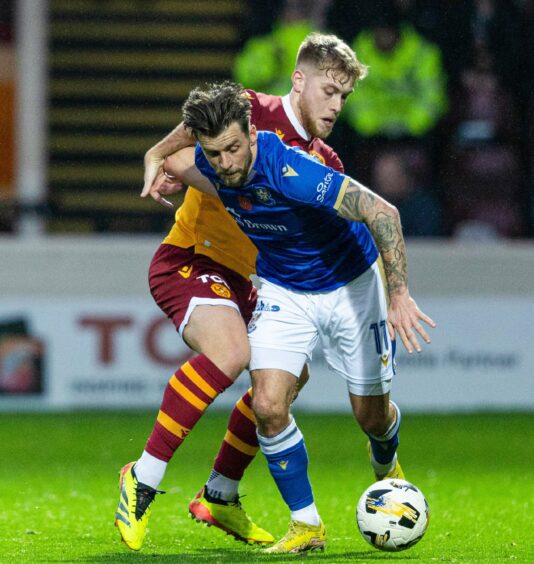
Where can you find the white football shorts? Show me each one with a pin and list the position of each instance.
(350, 322)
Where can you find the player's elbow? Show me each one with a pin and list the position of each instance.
(392, 213)
(180, 163)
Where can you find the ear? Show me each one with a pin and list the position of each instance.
(298, 78)
(253, 135)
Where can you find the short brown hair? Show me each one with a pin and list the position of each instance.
(209, 112)
(330, 53)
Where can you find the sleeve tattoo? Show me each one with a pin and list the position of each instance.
(383, 220)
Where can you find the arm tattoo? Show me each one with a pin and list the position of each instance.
(362, 205)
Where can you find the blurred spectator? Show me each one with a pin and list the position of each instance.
(482, 187)
(405, 92)
(445, 24)
(419, 208)
(266, 62)
(481, 109)
(483, 163)
(260, 17)
(402, 99)
(495, 27)
(347, 18)
(490, 219)
(526, 105)
(7, 110)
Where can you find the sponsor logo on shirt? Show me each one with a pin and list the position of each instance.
(207, 278)
(248, 224)
(266, 306)
(261, 307)
(324, 186)
(280, 133)
(288, 171)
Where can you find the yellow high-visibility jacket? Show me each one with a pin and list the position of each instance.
(405, 91)
(267, 62)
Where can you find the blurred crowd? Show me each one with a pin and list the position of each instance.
(443, 124)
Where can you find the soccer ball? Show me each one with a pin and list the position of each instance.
(392, 515)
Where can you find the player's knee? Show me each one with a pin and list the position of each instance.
(234, 359)
(231, 356)
(271, 413)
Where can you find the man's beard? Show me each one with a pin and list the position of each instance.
(241, 179)
(309, 124)
(235, 180)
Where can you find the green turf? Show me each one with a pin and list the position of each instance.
(58, 479)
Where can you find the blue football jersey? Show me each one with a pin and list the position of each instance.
(287, 207)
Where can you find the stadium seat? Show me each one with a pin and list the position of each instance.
(118, 74)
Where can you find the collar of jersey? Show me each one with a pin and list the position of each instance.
(286, 103)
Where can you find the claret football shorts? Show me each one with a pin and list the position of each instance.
(181, 279)
(349, 322)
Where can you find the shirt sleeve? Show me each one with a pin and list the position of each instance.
(303, 179)
(255, 106)
(334, 161)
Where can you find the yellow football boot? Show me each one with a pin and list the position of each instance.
(300, 537)
(396, 472)
(229, 517)
(133, 511)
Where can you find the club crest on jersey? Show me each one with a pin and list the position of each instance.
(220, 290)
(280, 133)
(317, 156)
(244, 203)
(263, 195)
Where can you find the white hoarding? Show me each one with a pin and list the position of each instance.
(113, 352)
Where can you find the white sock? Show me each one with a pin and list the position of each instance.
(308, 515)
(150, 470)
(221, 487)
(382, 469)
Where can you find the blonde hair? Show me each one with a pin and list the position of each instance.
(331, 54)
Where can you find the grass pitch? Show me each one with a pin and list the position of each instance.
(59, 477)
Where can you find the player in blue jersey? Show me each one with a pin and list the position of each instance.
(318, 234)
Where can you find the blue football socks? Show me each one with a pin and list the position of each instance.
(385, 447)
(288, 463)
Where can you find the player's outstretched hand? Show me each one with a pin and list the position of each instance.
(163, 185)
(404, 319)
(153, 168)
